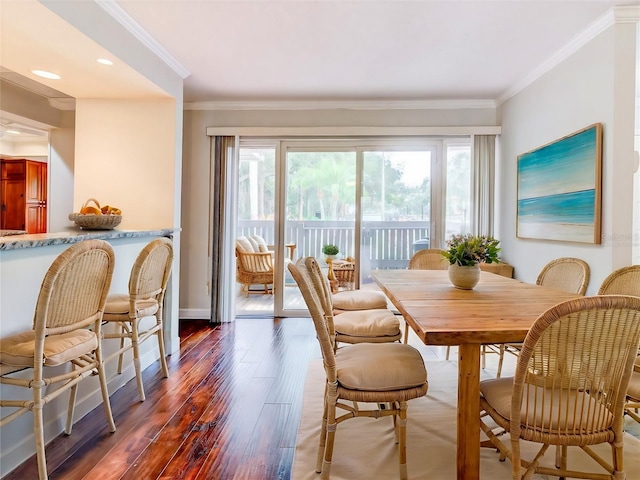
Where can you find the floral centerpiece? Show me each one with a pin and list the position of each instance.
(468, 250)
(464, 253)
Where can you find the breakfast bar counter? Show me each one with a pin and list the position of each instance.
(24, 261)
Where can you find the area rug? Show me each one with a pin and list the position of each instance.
(365, 447)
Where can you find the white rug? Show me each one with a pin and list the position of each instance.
(431, 438)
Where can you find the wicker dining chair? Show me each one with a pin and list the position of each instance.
(385, 375)
(567, 274)
(632, 406)
(626, 281)
(147, 286)
(428, 259)
(359, 326)
(569, 386)
(67, 328)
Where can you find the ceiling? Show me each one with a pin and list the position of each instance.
(309, 51)
(360, 49)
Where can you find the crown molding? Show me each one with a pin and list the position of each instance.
(343, 105)
(628, 14)
(133, 27)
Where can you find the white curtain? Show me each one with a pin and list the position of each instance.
(484, 153)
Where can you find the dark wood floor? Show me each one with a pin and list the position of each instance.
(230, 409)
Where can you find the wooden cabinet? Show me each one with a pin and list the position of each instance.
(23, 195)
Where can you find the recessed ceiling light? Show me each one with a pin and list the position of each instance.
(13, 132)
(45, 74)
(105, 61)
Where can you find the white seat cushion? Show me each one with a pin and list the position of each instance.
(350, 300)
(367, 323)
(390, 366)
(18, 350)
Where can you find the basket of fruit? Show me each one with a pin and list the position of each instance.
(95, 217)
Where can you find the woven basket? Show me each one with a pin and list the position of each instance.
(93, 221)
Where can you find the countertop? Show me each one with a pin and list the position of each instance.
(74, 235)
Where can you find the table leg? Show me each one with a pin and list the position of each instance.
(468, 437)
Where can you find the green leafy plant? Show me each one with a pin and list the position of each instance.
(330, 250)
(467, 250)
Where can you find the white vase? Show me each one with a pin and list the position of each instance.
(464, 277)
(328, 258)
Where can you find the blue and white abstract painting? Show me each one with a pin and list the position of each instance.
(559, 189)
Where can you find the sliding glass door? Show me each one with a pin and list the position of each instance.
(319, 207)
(377, 202)
(396, 202)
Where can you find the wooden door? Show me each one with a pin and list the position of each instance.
(13, 205)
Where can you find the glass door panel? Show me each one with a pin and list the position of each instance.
(395, 208)
(256, 217)
(320, 208)
(458, 196)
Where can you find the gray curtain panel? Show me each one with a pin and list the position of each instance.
(223, 151)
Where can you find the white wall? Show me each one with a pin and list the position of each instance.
(595, 84)
(194, 295)
(125, 156)
(61, 164)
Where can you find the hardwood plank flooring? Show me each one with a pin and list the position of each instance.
(229, 409)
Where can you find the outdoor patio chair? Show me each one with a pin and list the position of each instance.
(147, 285)
(569, 387)
(254, 263)
(359, 326)
(565, 273)
(384, 377)
(67, 329)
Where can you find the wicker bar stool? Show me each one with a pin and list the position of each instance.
(67, 329)
(147, 285)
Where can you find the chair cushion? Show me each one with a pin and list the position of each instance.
(18, 350)
(367, 323)
(118, 305)
(497, 393)
(380, 367)
(358, 300)
(254, 244)
(260, 242)
(244, 245)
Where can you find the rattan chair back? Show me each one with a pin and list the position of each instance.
(566, 273)
(313, 273)
(626, 281)
(150, 273)
(570, 382)
(301, 273)
(623, 281)
(428, 259)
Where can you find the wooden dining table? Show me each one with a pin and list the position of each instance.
(497, 310)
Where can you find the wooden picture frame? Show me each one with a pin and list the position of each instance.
(559, 195)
